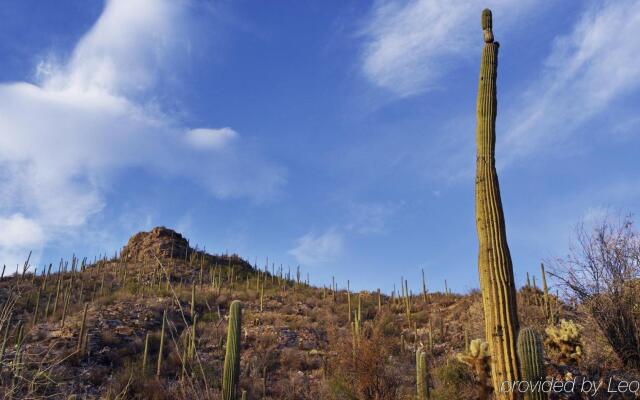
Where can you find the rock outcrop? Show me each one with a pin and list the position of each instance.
(159, 242)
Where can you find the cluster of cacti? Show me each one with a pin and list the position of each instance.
(478, 357)
(231, 371)
(356, 326)
(494, 261)
(565, 341)
(531, 357)
(405, 297)
(422, 375)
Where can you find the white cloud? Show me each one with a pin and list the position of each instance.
(19, 236)
(65, 135)
(410, 44)
(18, 231)
(125, 49)
(315, 249)
(587, 70)
(210, 138)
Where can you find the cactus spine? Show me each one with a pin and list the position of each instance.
(531, 358)
(232, 357)
(494, 261)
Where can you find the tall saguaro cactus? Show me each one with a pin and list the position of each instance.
(232, 357)
(494, 261)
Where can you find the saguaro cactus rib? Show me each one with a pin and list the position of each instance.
(494, 261)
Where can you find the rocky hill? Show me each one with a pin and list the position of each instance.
(93, 331)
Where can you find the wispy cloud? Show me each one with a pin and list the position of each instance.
(315, 249)
(96, 113)
(362, 219)
(369, 218)
(410, 44)
(587, 71)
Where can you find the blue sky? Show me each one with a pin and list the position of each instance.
(338, 135)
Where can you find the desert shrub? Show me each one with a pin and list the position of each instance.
(454, 380)
(602, 272)
(129, 383)
(365, 372)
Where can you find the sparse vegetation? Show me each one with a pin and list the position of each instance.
(165, 320)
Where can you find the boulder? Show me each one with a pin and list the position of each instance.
(159, 242)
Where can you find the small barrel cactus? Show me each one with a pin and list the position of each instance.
(531, 357)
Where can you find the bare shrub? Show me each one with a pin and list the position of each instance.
(602, 271)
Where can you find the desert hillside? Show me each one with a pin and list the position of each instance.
(94, 329)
